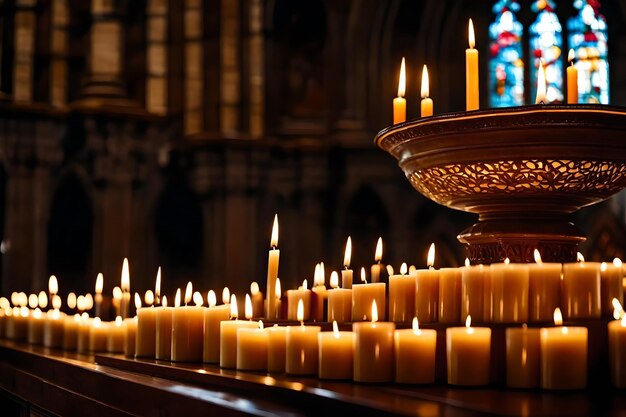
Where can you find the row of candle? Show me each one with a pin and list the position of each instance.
(472, 83)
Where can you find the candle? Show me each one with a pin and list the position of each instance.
(53, 286)
(339, 301)
(301, 347)
(98, 297)
(276, 349)
(35, 327)
(213, 316)
(449, 295)
(272, 271)
(17, 323)
(346, 273)
(293, 299)
(116, 301)
(399, 103)
(257, 299)
(472, 289)
(125, 287)
(252, 347)
(415, 355)
(163, 348)
(145, 343)
(427, 290)
(522, 357)
(318, 293)
(378, 256)
(279, 303)
(581, 290)
(563, 356)
(98, 336)
(70, 332)
(130, 335)
(572, 79)
(401, 296)
(373, 349)
(82, 341)
(427, 102)
(188, 327)
(228, 335)
(42, 300)
(336, 354)
(468, 353)
(541, 84)
(157, 287)
(53, 329)
(362, 297)
(617, 347)
(471, 72)
(544, 289)
(610, 285)
(115, 337)
(509, 286)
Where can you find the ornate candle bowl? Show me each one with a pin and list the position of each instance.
(523, 170)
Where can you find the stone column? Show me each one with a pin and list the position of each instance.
(23, 70)
(194, 67)
(230, 66)
(157, 57)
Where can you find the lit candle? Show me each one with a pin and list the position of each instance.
(541, 84)
(35, 327)
(98, 297)
(187, 328)
(125, 287)
(130, 336)
(522, 357)
(318, 293)
(53, 286)
(276, 349)
(401, 296)
(572, 79)
(509, 288)
(82, 342)
(544, 289)
(272, 271)
(42, 300)
(279, 303)
(213, 316)
(415, 355)
(339, 301)
(472, 289)
(362, 297)
(399, 103)
(117, 300)
(378, 256)
(17, 323)
(580, 296)
(157, 287)
(301, 347)
(257, 300)
(163, 348)
(469, 354)
(145, 344)
(70, 332)
(115, 337)
(449, 295)
(252, 345)
(53, 329)
(427, 102)
(346, 273)
(228, 335)
(373, 349)
(427, 290)
(293, 299)
(610, 285)
(472, 94)
(563, 356)
(617, 346)
(336, 354)
(98, 336)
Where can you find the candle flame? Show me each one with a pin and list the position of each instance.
(225, 295)
(80, 302)
(374, 312)
(390, 270)
(348, 253)
(416, 327)
(157, 285)
(117, 293)
(23, 299)
(254, 288)
(402, 80)
(37, 313)
(322, 274)
(188, 292)
(537, 256)
(212, 298)
(468, 321)
(305, 285)
(125, 282)
(42, 299)
(248, 307)
(149, 298)
(57, 302)
(33, 300)
(603, 266)
(541, 84)
(618, 310)
(334, 279)
(53, 285)
(580, 257)
(88, 301)
(471, 36)
(118, 321)
(403, 268)
(261, 324)
(571, 56)
(274, 239)
(197, 299)
(71, 300)
(558, 317)
(335, 329)
(430, 259)
(507, 261)
(617, 262)
(24, 312)
(97, 322)
(177, 298)
(300, 311)
(316, 275)
(425, 83)
(234, 312)
(164, 301)
(99, 283)
(277, 290)
(137, 301)
(378, 255)
(467, 262)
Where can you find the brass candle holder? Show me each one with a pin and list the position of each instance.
(523, 170)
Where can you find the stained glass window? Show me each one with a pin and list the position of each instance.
(506, 65)
(546, 43)
(588, 39)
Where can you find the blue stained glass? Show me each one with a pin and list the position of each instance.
(506, 64)
(546, 43)
(588, 38)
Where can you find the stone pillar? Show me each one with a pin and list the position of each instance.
(59, 48)
(157, 57)
(230, 66)
(25, 26)
(256, 69)
(194, 67)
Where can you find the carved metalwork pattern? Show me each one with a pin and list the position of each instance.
(521, 251)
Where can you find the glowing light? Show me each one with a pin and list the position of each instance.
(558, 317)
(403, 268)
(363, 278)
(56, 302)
(470, 34)
(177, 298)
(334, 279)
(274, 239)
(537, 256)
(374, 312)
(125, 282)
(157, 285)
(149, 298)
(248, 307)
(402, 80)
(425, 83)
(277, 289)
(416, 327)
(53, 285)
(580, 257)
(225, 295)
(254, 288)
(541, 84)
(300, 311)
(164, 301)
(197, 299)
(348, 253)
(99, 283)
(33, 300)
(137, 301)
(188, 292)
(234, 313)
(118, 321)
(378, 255)
(335, 329)
(430, 260)
(212, 298)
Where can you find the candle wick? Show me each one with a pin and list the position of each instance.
(542, 102)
